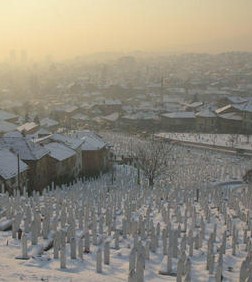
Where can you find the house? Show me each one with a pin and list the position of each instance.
(140, 121)
(232, 100)
(178, 121)
(230, 122)
(206, 121)
(247, 118)
(34, 155)
(96, 155)
(28, 128)
(61, 163)
(74, 144)
(13, 171)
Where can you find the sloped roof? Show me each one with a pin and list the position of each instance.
(247, 107)
(231, 116)
(195, 104)
(27, 126)
(9, 164)
(206, 113)
(179, 115)
(47, 122)
(236, 99)
(26, 149)
(80, 116)
(111, 117)
(6, 115)
(13, 134)
(6, 126)
(92, 141)
(67, 109)
(141, 116)
(59, 151)
(69, 141)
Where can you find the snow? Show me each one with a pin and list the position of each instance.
(59, 151)
(47, 122)
(223, 140)
(206, 113)
(6, 126)
(179, 115)
(28, 126)
(69, 141)
(6, 115)
(170, 202)
(22, 146)
(9, 164)
(91, 141)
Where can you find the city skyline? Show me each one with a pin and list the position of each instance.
(67, 29)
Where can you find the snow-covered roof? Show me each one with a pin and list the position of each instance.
(110, 102)
(236, 100)
(9, 164)
(247, 107)
(13, 134)
(179, 115)
(26, 149)
(67, 109)
(141, 116)
(111, 117)
(80, 116)
(92, 141)
(48, 122)
(195, 104)
(69, 141)
(6, 126)
(6, 115)
(28, 126)
(59, 151)
(231, 116)
(206, 113)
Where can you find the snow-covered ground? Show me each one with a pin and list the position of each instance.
(233, 141)
(139, 217)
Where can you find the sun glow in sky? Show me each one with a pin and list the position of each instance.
(68, 28)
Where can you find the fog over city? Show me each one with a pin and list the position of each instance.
(66, 29)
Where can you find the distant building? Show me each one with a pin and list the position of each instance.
(206, 121)
(178, 121)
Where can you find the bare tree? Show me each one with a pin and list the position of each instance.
(152, 157)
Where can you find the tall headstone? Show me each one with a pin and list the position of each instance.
(99, 260)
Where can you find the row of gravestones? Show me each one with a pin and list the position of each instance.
(183, 216)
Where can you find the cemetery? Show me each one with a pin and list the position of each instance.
(193, 224)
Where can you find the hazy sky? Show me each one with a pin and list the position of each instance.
(68, 28)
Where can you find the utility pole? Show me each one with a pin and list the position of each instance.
(18, 172)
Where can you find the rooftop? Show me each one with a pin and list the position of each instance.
(9, 164)
(179, 115)
(59, 151)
